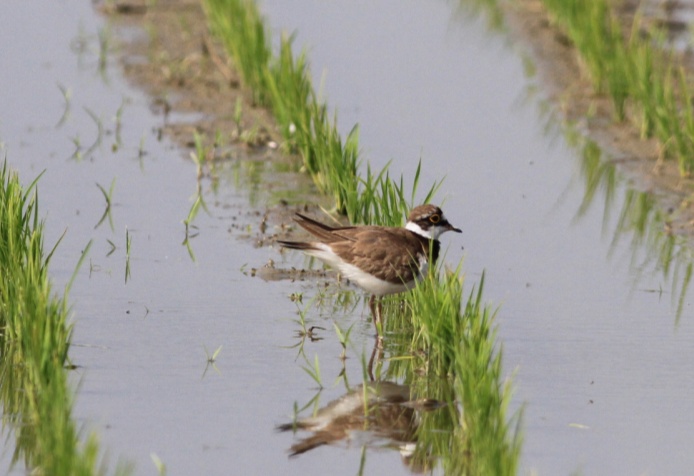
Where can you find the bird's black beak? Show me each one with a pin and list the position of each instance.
(450, 227)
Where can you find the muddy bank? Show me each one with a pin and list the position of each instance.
(567, 86)
(167, 51)
(180, 66)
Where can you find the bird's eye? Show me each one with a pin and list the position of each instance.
(435, 218)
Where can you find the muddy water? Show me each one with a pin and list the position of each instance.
(600, 366)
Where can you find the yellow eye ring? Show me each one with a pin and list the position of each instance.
(435, 218)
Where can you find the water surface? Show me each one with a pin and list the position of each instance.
(601, 367)
(597, 359)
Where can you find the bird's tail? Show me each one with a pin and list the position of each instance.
(324, 233)
(297, 245)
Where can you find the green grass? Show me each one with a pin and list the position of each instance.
(454, 358)
(642, 78)
(458, 335)
(636, 69)
(36, 395)
(283, 84)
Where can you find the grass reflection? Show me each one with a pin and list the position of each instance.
(642, 221)
(36, 395)
(438, 370)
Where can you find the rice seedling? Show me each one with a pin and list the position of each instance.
(198, 157)
(238, 113)
(128, 242)
(159, 464)
(296, 297)
(212, 166)
(67, 96)
(104, 41)
(453, 339)
(246, 39)
(250, 136)
(99, 132)
(636, 68)
(77, 154)
(108, 196)
(119, 125)
(141, 151)
(458, 336)
(305, 331)
(633, 69)
(644, 222)
(113, 248)
(296, 411)
(343, 338)
(313, 370)
(35, 391)
(211, 360)
(193, 212)
(362, 461)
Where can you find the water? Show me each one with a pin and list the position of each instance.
(589, 344)
(145, 385)
(601, 367)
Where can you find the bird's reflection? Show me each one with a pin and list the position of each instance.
(375, 415)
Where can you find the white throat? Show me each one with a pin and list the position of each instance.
(432, 233)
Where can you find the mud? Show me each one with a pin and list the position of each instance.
(567, 86)
(193, 86)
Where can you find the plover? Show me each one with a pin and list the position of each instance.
(381, 260)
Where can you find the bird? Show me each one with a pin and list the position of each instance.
(381, 260)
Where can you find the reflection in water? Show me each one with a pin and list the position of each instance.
(381, 414)
(16, 402)
(653, 246)
(654, 243)
(670, 19)
(458, 370)
(373, 415)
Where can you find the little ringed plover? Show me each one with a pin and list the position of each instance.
(381, 260)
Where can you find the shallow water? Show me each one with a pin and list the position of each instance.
(142, 346)
(590, 344)
(601, 367)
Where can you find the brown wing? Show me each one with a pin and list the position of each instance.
(382, 251)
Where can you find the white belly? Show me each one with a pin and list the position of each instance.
(369, 283)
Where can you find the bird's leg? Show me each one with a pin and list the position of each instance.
(379, 331)
(376, 355)
(376, 313)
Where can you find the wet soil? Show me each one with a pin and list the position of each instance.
(195, 88)
(568, 87)
(187, 72)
